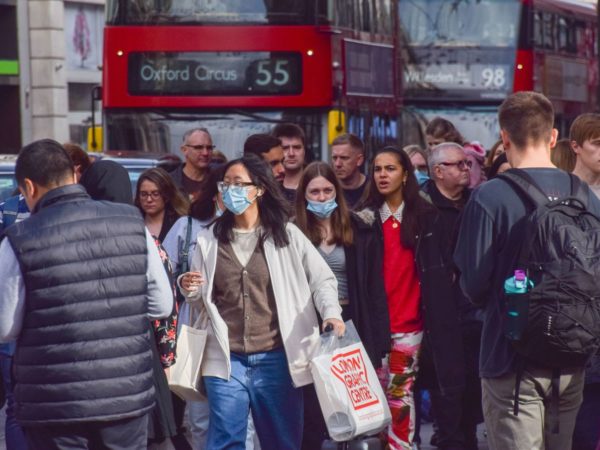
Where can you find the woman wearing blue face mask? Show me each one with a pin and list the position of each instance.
(351, 249)
(418, 158)
(257, 284)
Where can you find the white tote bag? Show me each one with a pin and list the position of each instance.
(185, 375)
(352, 400)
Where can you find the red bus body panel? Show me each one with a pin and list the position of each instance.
(524, 71)
(316, 69)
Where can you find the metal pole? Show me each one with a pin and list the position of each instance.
(24, 71)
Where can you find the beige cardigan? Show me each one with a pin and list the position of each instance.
(301, 280)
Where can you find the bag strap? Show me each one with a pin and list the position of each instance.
(520, 368)
(184, 252)
(554, 401)
(578, 192)
(524, 184)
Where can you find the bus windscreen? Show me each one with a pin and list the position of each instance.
(163, 12)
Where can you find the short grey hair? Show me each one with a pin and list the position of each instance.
(439, 153)
(188, 133)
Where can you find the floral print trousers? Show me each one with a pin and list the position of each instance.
(397, 376)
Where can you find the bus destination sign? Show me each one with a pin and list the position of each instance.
(215, 73)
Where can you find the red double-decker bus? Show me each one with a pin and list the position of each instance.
(461, 59)
(240, 67)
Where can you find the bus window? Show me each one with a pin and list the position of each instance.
(438, 22)
(538, 32)
(210, 11)
(562, 34)
(548, 35)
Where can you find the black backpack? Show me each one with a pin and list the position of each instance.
(558, 245)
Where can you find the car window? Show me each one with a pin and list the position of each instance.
(134, 175)
(8, 185)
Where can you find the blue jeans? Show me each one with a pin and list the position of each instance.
(260, 383)
(15, 439)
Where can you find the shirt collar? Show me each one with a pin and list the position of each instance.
(385, 213)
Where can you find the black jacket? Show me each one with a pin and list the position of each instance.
(449, 222)
(366, 291)
(84, 352)
(440, 316)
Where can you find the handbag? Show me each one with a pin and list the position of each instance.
(185, 375)
(351, 398)
(183, 259)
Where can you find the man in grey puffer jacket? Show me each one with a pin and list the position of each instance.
(80, 279)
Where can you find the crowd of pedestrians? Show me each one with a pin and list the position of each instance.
(266, 251)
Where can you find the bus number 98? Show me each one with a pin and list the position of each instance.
(493, 78)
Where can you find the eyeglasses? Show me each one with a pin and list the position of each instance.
(462, 165)
(153, 195)
(223, 186)
(209, 148)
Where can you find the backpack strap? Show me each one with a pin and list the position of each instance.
(519, 368)
(578, 191)
(523, 183)
(554, 401)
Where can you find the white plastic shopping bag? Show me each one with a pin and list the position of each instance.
(185, 375)
(351, 398)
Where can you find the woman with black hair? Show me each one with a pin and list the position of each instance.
(260, 311)
(412, 261)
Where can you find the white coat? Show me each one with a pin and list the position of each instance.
(301, 281)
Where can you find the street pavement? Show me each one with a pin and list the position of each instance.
(426, 431)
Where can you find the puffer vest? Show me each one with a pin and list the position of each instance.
(84, 350)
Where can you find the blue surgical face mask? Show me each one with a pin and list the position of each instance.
(235, 199)
(421, 177)
(321, 209)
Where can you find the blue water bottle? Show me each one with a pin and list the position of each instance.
(517, 304)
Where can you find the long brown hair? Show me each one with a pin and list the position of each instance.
(415, 206)
(175, 202)
(340, 218)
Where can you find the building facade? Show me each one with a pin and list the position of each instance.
(49, 63)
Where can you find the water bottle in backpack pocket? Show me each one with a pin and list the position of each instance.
(516, 296)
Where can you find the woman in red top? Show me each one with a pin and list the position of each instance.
(397, 210)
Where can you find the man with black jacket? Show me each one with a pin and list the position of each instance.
(456, 411)
(80, 280)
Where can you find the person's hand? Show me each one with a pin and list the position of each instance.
(339, 327)
(191, 281)
(167, 372)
